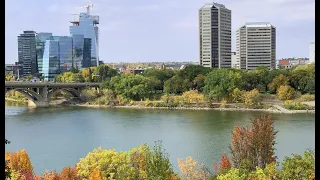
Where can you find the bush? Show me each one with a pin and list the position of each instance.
(294, 105)
(192, 96)
(286, 93)
(238, 95)
(252, 98)
(307, 97)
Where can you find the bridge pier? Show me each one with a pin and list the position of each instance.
(41, 104)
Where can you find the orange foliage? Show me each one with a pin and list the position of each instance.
(190, 169)
(225, 163)
(20, 162)
(69, 173)
(96, 174)
(51, 175)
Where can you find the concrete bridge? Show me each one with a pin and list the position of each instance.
(40, 93)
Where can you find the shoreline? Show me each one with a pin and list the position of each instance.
(271, 110)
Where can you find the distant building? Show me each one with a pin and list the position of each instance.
(86, 25)
(284, 64)
(234, 62)
(291, 62)
(256, 45)
(312, 52)
(27, 53)
(215, 36)
(14, 69)
(132, 71)
(51, 60)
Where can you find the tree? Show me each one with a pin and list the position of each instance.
(299, 167)
(252, 98)
(133, 87)
(192, 170)
(192, 96)
(252, 147)
(192, 71)
(176, 85)
(219, 83)
(238, 95)
(158, 164)
(102, 72)
(69, 173)
(161, 74)
(198, 82)
(278, 81)
(51, 175)
(286, 93)
(20, 162)
(69, 77)
(225, 163)
(7, 162)
(96, 175)
(87, 74)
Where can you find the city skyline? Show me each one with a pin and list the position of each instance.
(160, 31)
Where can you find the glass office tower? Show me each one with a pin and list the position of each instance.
(86, 25)
(27, 52)
(51, 60)
(40, 44)
(65, 52)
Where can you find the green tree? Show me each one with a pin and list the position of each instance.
(299, 167)
(161, 74)
(69, 77)
(102, 72)
(176, 85)
(219, 83)
(198, 82)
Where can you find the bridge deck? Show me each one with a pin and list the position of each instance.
(47, 84)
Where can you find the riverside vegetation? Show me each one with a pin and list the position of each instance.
(251, 157)
(197, 86)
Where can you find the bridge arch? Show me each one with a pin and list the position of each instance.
(29, 94)
(73, 92)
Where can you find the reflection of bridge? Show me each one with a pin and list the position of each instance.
(39, 94)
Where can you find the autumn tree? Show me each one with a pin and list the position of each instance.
(252, 147)
(69, 173)
(96, 175)
(51, 175)
(192, 170)
(252, 98)
(278, 81)
(20, 162)
(286, 93)
(225, 163)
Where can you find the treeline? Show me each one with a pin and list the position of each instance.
(216, 85)
(252, 157)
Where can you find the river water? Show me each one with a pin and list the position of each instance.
(58, 137)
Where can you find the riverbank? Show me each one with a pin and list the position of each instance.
(273, 109)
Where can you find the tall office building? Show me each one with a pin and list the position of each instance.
(256, 45)
(215, 36)
(51, 60)
(311, 52)
(27, 56)
(86, 24)
(40, 45)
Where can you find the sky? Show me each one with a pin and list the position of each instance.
(159, 30)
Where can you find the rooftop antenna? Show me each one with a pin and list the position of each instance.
(87, 7)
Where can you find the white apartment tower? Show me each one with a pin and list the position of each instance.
(215, 36)
(256, 45)
(311, 52)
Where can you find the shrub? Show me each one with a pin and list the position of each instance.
(294, 105)
(147, 102)
(286, 93)
(307, 97)
(192, 96)
(238, 95)
(252, 98)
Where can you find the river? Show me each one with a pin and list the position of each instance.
(58, 137)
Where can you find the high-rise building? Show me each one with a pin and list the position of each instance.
(215, 36)
(65, 52)
(27, 56)
(86, 24)
(40, 45)
(234, 61)
(311, 52)
(256, 45)
(51, 60)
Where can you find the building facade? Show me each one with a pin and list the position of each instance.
(215, 36)
(14, 69)
(234, 62)
(40, 45)
(51, 60)
(27, 56)
(86, 25)
(256, 45)
(312, 52)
